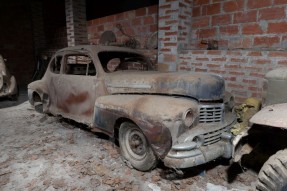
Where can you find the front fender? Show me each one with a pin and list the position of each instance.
(272, 115)
(155, 116)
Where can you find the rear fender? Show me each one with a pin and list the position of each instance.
(154, 115)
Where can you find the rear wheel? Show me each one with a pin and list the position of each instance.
(273, 174)
(134, 147)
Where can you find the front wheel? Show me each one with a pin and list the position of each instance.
(273, 174)
(135, 148)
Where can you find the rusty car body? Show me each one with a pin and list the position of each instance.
(8, 84)
(181, 118)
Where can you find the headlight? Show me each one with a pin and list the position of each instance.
(188, 118)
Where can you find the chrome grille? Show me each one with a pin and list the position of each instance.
(213, 136)
(211, 113)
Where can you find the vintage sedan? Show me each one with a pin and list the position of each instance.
(181, 118)
(8, 84)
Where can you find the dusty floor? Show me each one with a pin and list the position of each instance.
(41, 152)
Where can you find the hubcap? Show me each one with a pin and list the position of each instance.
(136, 144)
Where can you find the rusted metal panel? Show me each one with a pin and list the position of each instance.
(272, 115)
(155, 115)
(186, 84)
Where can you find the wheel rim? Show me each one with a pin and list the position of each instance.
(136, 144)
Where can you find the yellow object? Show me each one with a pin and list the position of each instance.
(244, 112)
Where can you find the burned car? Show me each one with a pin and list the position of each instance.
(8, 84)
(180, 118)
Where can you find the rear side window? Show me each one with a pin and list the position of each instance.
(79, 65)
(56, 64)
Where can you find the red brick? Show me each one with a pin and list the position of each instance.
(169, 58)
(233, 6)
(218, 71)
(257, 74)
(164, 18)
(236, 73)
(221, 20)
(152, 10)
(230, 78)
(211, 9)
(206, 33)
(153, 28)
(278, 54)
(214, 52)
(248, 81)
(200, 70)
(202, 59)
(111, 18)
(262, 61)
(171, 22)
(249, 29)
(148, 20)
(170, 11)
(280, 27)
(213, 65)
(223, 59)
(141, 12)
(166, 6)
(165, 28)
(137, 22)
(280, 2)
(231, 66)
(120, 16)
(254, 54)
(170, 33)
(233, 53)
(266, 40)
(196, 11)
(243, 60)
(255, 4)
(200, 22)
(200, 2)
(229, 30)
(282, 62)
(234, 85)
(272, 13)
(240, 43)
(245, 17)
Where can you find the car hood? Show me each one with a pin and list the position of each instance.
(200, 86)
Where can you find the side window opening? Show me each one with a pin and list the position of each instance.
(79, 65)
(116, 60)
(56, 64)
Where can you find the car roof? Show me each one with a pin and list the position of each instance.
(99, 48)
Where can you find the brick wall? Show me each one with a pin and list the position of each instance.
(240, 24)
(243, 70)
(140, 23)
(252, 41)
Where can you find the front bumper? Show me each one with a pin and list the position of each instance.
(201, 155)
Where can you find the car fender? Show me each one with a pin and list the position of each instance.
(39, 87)
(155, 115)
(272, 115)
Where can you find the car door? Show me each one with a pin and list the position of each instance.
(75, 87)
